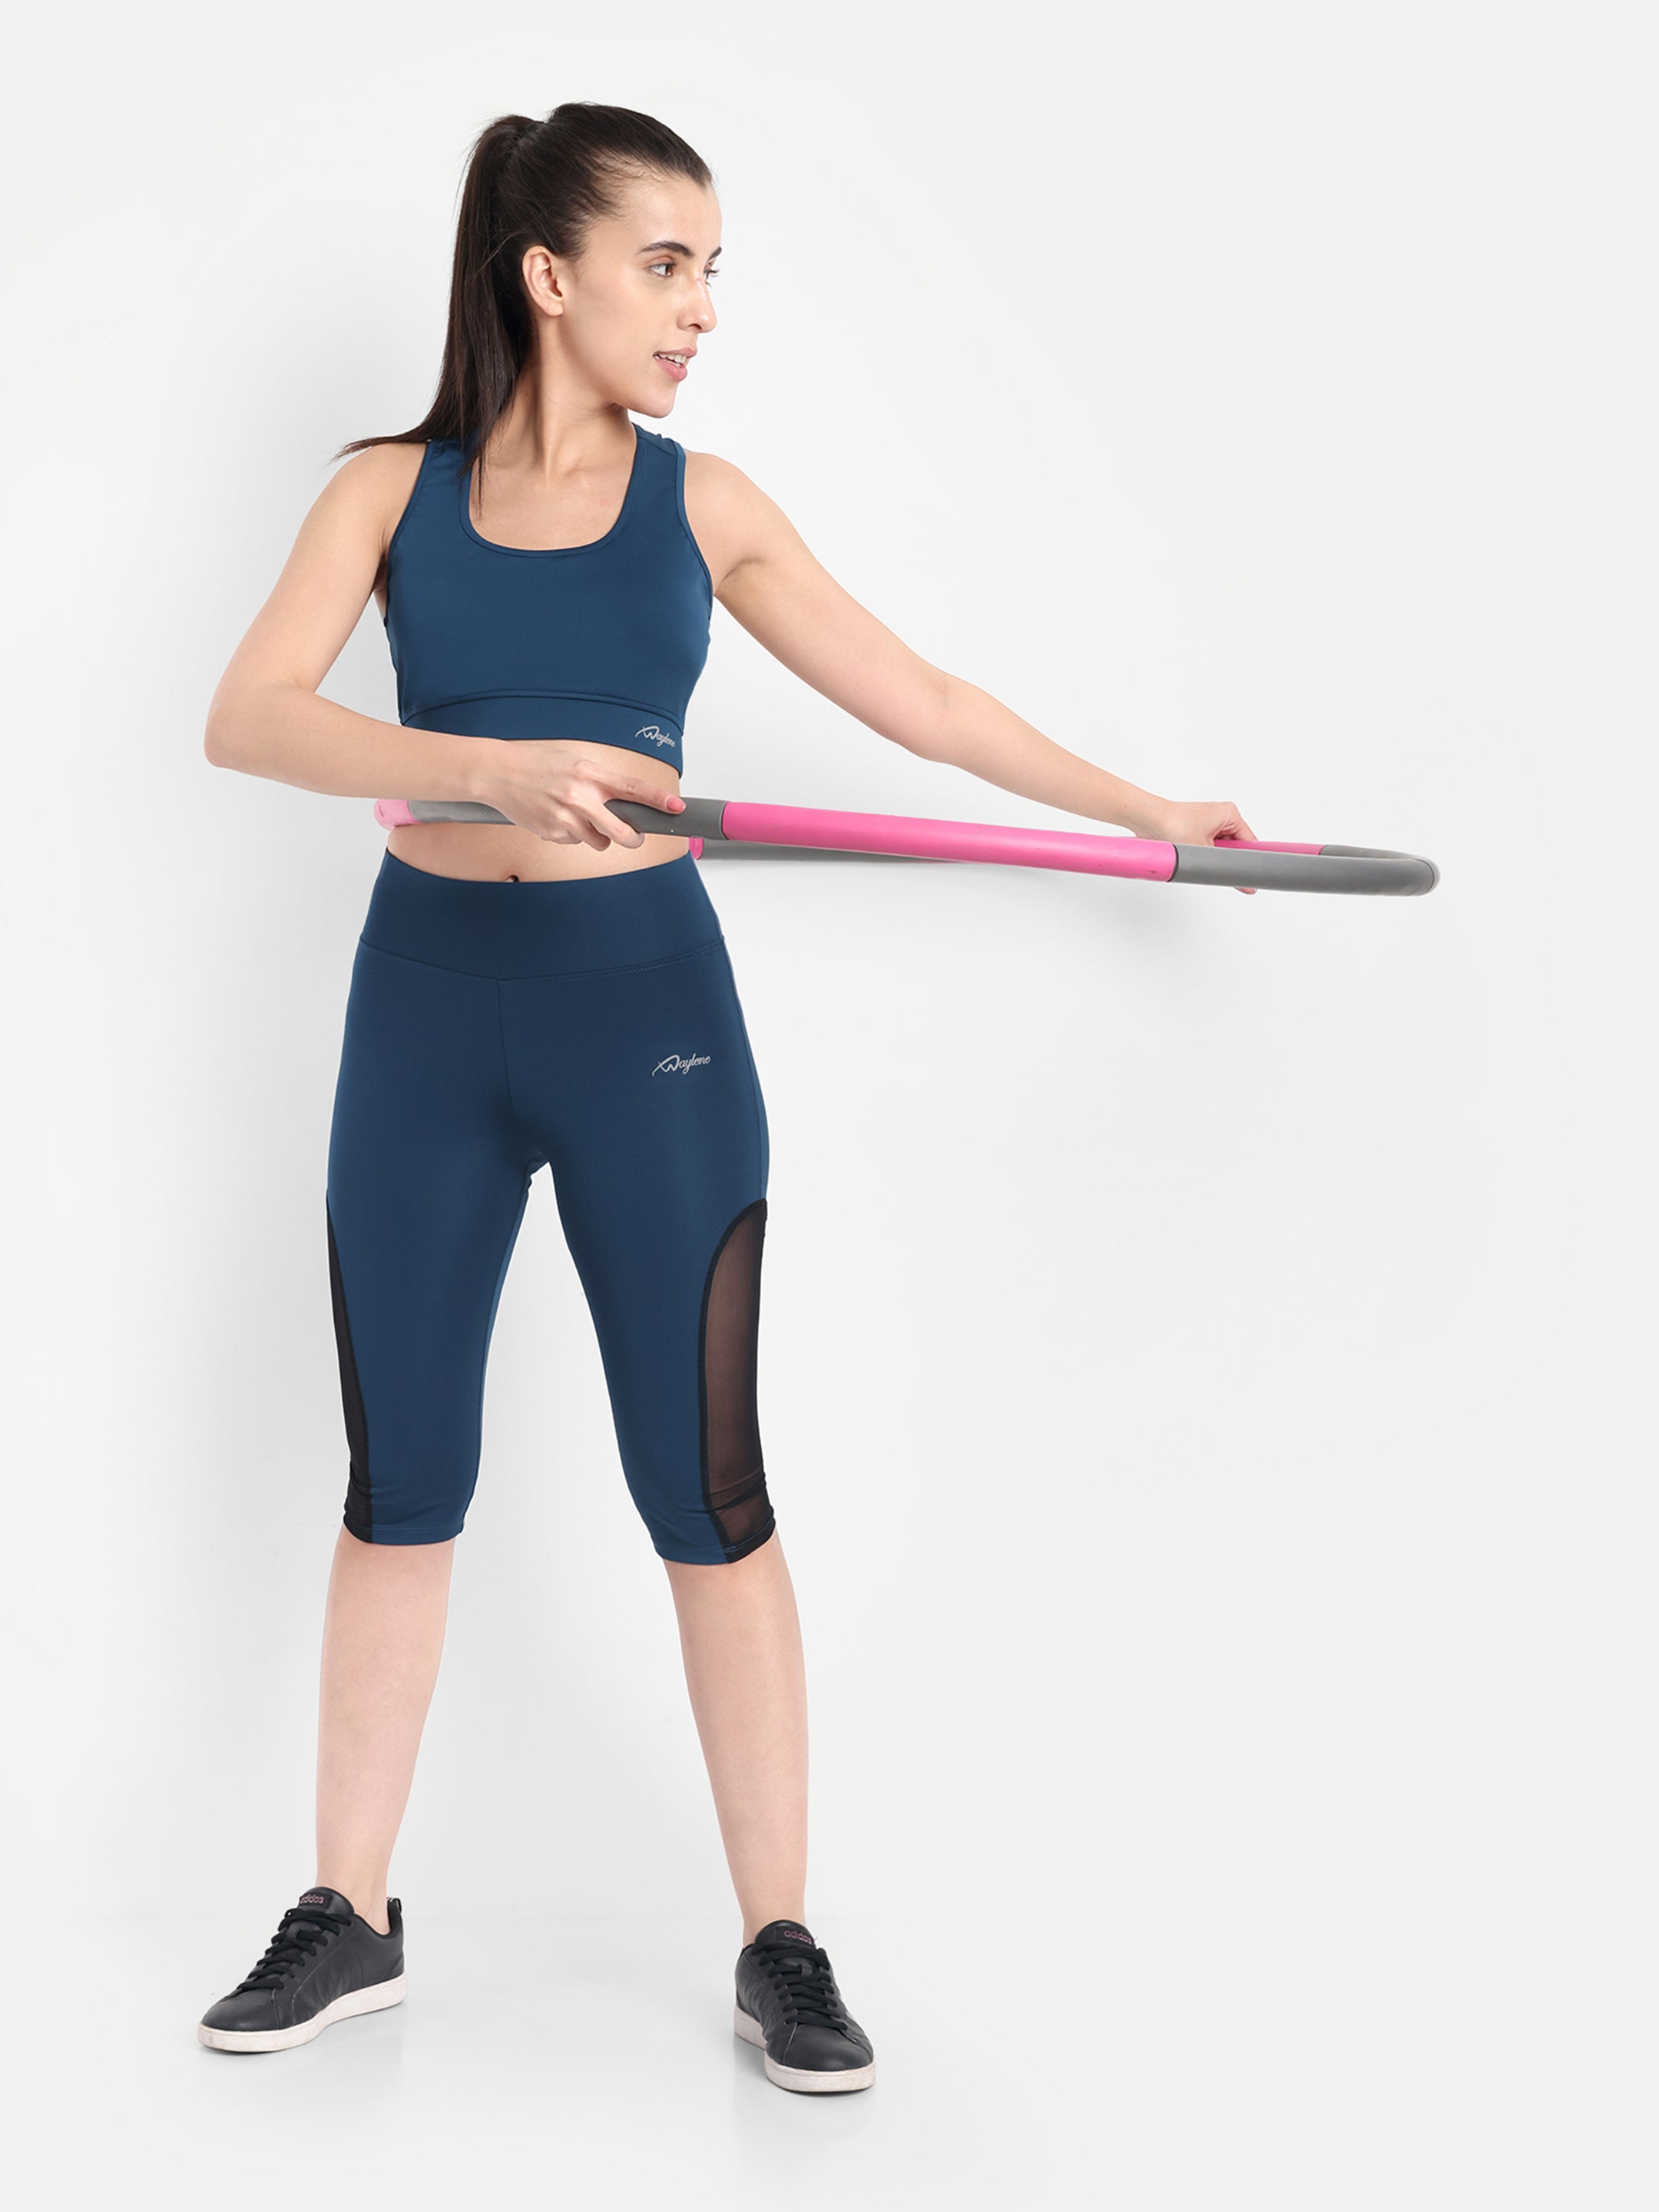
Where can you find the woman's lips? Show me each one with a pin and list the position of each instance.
(676, 369)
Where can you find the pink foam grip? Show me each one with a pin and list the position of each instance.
(393, 814)
(1147, 858)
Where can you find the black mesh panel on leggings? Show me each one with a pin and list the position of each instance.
(728, 1360)
(358, 1516)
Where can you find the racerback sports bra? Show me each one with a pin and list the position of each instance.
(602, 642)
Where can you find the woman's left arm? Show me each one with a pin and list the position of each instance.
(766, 577)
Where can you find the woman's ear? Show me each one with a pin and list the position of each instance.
(544, 279)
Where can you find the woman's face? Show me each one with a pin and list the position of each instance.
(640, 290)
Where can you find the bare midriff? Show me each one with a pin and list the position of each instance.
(488, 852)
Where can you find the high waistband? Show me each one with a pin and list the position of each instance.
(556, 927)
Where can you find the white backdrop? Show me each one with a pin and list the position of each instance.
(1202, 1337)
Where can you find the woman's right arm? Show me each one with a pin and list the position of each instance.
(266, 719)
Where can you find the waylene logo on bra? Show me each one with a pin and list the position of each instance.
(678, 1063)
(657, 737)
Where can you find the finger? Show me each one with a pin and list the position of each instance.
(633, 787)
(609, 828)
(596, 784)
(615, 783)
(571, 830)
(627, 787)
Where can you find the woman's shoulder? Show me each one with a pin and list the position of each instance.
(720, 485)
(390, 466)
(731, 517)
(375, 485)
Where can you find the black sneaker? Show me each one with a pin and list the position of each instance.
(323, 1964)
(788, 2003)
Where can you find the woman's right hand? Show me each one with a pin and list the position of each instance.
(561, 797)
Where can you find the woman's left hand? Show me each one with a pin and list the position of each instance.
(1196, 821)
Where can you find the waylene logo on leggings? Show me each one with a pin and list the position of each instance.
(677, 1064)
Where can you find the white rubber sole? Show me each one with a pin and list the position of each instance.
(799, 2077)
(375, 1998)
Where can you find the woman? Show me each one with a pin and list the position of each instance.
(557, 993)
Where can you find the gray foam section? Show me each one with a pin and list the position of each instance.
(1361, 869)
(454, 810)
(698, 818)
(701, 818)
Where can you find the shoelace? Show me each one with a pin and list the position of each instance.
(806, 1983)
(301, 1934)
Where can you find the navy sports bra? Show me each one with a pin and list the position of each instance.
(602, 642)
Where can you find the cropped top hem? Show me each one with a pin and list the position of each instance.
(586, 716)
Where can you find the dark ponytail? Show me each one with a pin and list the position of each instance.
(527, 184)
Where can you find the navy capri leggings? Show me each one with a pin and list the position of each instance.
(591, 1026)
